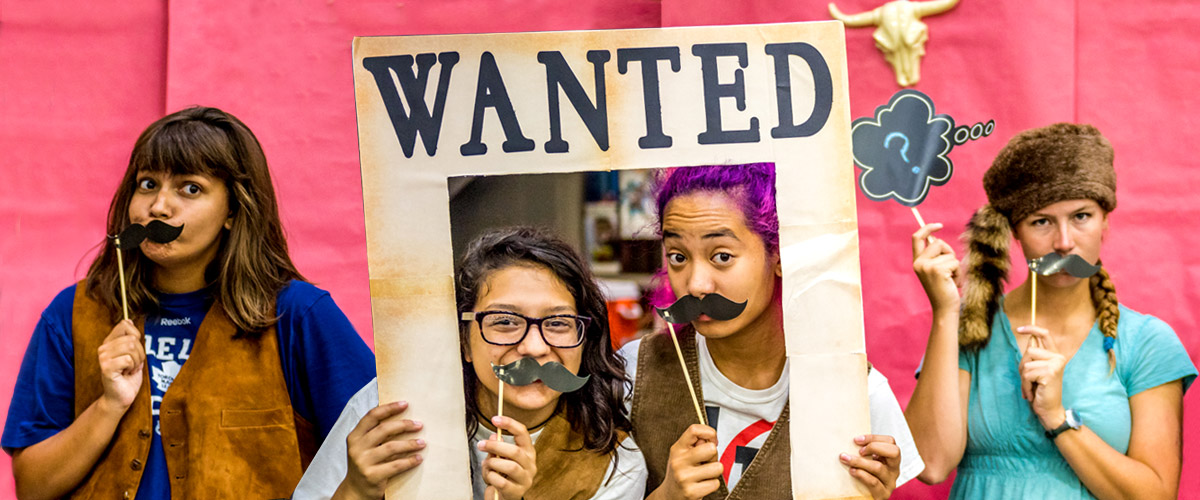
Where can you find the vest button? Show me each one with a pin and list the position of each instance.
(135, 464)
(144, 434)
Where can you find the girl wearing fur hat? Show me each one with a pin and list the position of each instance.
(1087, 403)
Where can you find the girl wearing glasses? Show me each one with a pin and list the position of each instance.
(521, 294)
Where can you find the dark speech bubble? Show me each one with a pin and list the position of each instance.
(903, 149)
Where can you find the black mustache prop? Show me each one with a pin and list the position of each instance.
(526, 371)
(1073, 264)
(690, 307)
(156, 231)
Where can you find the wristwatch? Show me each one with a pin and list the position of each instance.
(1073, 422)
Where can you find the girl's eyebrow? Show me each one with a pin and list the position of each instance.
(515, 308)
(721, 233)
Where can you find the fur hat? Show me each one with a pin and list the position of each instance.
(1041, 166)
(1038, 167)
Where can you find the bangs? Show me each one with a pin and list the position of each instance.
(186, 148)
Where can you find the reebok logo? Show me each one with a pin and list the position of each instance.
(175, 322)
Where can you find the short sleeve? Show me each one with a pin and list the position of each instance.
(329, 466)
(887, 419)
(1150, 354)
(626, 476)
(629, 352)
(967, 360)
(325, 362)
(43, 401)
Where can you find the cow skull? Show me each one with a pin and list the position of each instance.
(900, 34)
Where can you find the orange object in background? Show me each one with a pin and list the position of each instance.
(624, 310)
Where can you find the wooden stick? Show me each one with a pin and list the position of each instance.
(499, 431)
(121, 272)
(917, 214)
(686, 376)
(1033, 300)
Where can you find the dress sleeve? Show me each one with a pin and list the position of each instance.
(967, 360)
(324, 360)
(43, 401)
(329, 467)
(630, 353)
(887, 419)
(1151, 356)
(626, 475)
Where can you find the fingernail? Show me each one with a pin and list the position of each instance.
(844, 457)
(496, 420)
(862, 451)
(418, 458)
(421, 443)
(417, 424)
(860, 439)
(480, 445)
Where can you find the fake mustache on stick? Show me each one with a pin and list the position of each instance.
(526, 371)
(1073, 264)
(155, 230)
(690, 307)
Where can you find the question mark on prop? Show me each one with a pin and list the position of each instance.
(903, 149)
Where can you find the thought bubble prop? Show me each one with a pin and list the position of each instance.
(904, 149)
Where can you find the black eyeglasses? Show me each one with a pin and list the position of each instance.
(510, 328)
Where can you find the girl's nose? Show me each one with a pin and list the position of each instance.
(533, 345)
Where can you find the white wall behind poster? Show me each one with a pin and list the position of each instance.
(79, 80)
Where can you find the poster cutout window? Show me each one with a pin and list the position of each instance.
(434, 108)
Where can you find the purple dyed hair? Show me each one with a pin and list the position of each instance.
(752, 187)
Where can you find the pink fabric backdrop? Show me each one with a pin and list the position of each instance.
(79, 81)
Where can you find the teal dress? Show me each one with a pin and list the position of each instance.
(1007, 454)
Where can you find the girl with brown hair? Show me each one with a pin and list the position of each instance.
(557, 445)
(1087, 403)
(231, 367)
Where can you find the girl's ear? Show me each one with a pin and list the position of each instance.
(778, 265)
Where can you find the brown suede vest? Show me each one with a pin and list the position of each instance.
(662, 411)
(566, 471)
(228, 428)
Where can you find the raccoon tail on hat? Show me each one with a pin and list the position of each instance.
(987, 237)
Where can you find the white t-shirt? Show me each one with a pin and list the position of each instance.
(743, 418)
(625, 478)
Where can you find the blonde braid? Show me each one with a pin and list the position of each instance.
(1104, 298)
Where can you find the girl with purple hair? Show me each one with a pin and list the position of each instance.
(720, 237)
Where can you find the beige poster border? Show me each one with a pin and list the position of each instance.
(408, 224)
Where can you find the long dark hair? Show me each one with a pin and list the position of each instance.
(252, 264)
(597, 410)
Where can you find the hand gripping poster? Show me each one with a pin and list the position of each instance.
(435, 109)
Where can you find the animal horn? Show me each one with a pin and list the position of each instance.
(932, 7)
(869, 18)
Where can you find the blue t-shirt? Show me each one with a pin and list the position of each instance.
(324, 363)
(1007, 454)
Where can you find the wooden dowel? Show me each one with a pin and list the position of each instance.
(686, 375)
(121, 274)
